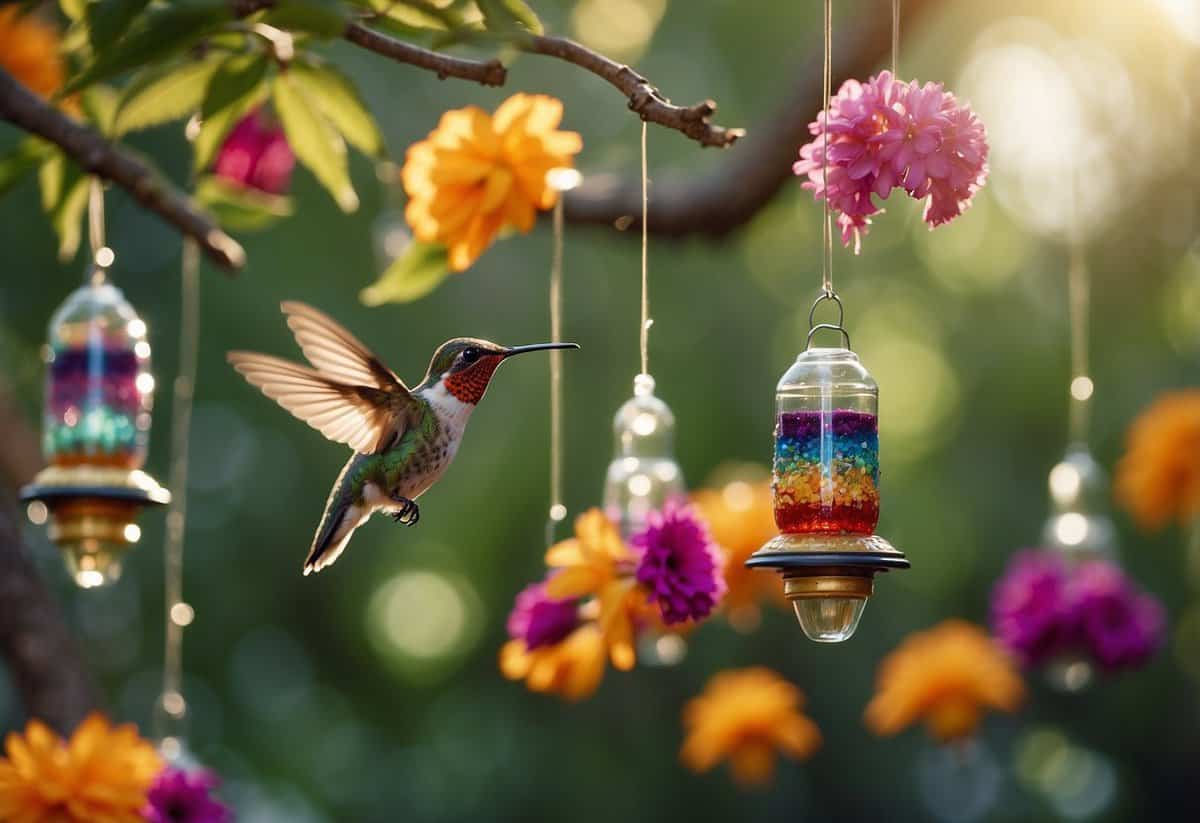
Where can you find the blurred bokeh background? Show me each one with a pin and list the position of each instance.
(371, 692)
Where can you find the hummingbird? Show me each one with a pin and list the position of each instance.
(403, 439)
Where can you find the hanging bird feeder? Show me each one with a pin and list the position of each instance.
(826, 488)
(96, 424)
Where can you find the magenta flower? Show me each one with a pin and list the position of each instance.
(1043, 607)
(540, 620)
(1030, 615)
(256, 155)
(1121, 626)
(886, 134)
(178, 796)
(679, 563)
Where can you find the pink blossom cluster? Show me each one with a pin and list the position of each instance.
(886, 134)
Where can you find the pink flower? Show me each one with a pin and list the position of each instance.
(256, 154)
(886, 134)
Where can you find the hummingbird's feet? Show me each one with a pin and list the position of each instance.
(408, 513)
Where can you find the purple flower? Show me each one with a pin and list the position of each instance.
(1031, 615)
(540, 620)
(1120, 625)
(256, 154)
(679, 563)
(178, 796)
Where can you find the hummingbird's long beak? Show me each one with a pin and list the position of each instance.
(539, 347)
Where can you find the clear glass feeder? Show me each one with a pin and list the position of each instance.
(641, 478)
(95, 430)
(826, 492)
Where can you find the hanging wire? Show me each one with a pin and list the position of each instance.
(895, 37)
(558, 511)
(172, 708)
(1082, 386)
(102, 255)
(827, 225)
(644, 335)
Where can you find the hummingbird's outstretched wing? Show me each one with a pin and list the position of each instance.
(365, 418)
(337, 353)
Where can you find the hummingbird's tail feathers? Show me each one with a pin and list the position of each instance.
(362, 417)
(342, 516)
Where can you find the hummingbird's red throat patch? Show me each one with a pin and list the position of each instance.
(469, 384)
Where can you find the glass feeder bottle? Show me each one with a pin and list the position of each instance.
(826, 491)
(95, 428)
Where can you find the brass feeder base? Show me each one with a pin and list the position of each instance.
(93, 513)
(828, 577)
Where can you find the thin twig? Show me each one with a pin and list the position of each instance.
(692, 121)
(98, 156)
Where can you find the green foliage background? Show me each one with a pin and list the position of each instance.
(308, 721)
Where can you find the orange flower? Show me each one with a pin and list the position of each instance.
(945, 676)
(747, 716)
(478, 173)
(1159, 476)
(100, 776)
(29, 51)
(741, 518)
(571, 669)
(597, 563)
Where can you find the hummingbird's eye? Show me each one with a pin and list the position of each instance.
(470, 355)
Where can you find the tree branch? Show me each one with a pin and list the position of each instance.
(749, 178)
(645, 99)
(487, 72)
(98, 156)
(46, 664)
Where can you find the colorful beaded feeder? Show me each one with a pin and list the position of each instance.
(827, 472)
(95, 409)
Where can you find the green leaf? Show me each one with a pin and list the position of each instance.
(23, 159)
(240, 208)
(316, 144)
(50, 177)
(162, 31)
(161, 94)
(215, 127)
(324, 20)
(73, 9)
(100, 105)
(110, 19)
(417, 14)
(236, 77)
(412, 275)
(338, 99)
(509, 15)
(68, 214)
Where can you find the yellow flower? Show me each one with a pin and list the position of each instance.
(572, 669)
(597, 563)
(100, 776)
(945, 676)
(1159, 476)
(747, 716)
(29, 51)
(478, 173)
(741, 518)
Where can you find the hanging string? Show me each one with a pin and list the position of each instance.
(102, 255)
(558, 511)
(646, 321)
(1078, 294)
(827, 225)
(172, 708)
(895, 37)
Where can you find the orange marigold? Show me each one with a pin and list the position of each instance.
(747, 716)
(477, 173)
(29, 51)
(597, 563)
(571, 669)
(100, 776)
(741, 518)
(1159, 476)
(945, 676)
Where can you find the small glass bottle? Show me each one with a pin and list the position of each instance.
(826, 471)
